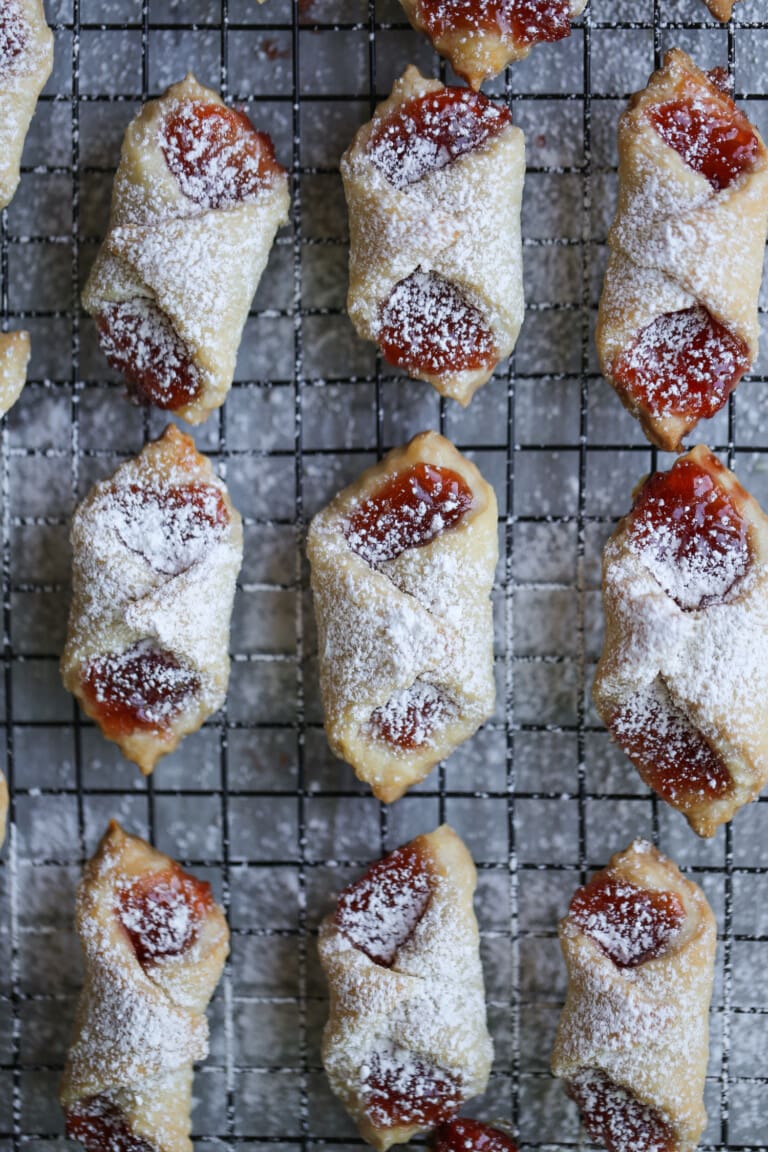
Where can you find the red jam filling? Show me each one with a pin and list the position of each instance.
(429, 132)
(139, 690)
(615, 1118)
(409, 510)
(409, 718)
(712, 137)
(162, 912)
(13, 35)
(427, 325)
(526, 21)
(672, 756)
(100, 1126)
(171, 527)
(682, 364)
(629, 923)
(401, 1090)
(722, 79)
(140, 342)
(380, 911)
(471, 1136)
(217, 156)
(690, 534)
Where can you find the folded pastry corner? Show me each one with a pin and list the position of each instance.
(406, 1042)
(721, 9)
(156, 553)
(15, 351)
(26, 61)
(197, 201)
(464, 1135)
(683, 677)
(633, 1039)
(403, 563)
(678, 319)
(154, 945)
(481, 37)
(434, 186)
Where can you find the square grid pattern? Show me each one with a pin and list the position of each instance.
(254, 802)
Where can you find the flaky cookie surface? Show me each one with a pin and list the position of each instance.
(721, 9)
(411, 1026)
(154, 946)
(172, 248)
(683, 676)
(459, 222)
(156, 552)
(26, 61)
(15, 352)
(678, 244)
(633, 1039)
(477, 50)
(405, 642)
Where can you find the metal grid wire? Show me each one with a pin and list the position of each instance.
(254, 802)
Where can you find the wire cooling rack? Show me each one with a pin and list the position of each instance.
(254, 801)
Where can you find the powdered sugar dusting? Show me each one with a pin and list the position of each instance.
(216, 154)
(137, 1032)
(427, 324)
(615, 1117)
(167, 927)
(379, 912)
(447, 242)
(156, 553)
(429, 132)
(696, 562)
(172, 527)
(680, 244)
(408, 510)
(408, 640)
(179, 271)
(14, 38)
(683, 363)
(397, 1089)
(411, 717)
(630, 924)
(142, 687)
(139, 340)
(415, 1031)
(632, 1042)
(684, 672)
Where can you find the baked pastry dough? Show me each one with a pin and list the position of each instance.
(683, 678)
(156, 553)
(480, 37)
(154, 946)
(464, 1135)
(406, 1041)
(14, 358)
(678, 324)
(403, 564)
(434, 183)
(197, 200)
(633, 1039)
(26, 60)
(721, 9)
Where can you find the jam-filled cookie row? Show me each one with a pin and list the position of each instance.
(434, 187)
(402, 570)
(406, 1043)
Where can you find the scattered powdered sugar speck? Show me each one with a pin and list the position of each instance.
(171, 527)
(411, 717)
(14, 36)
